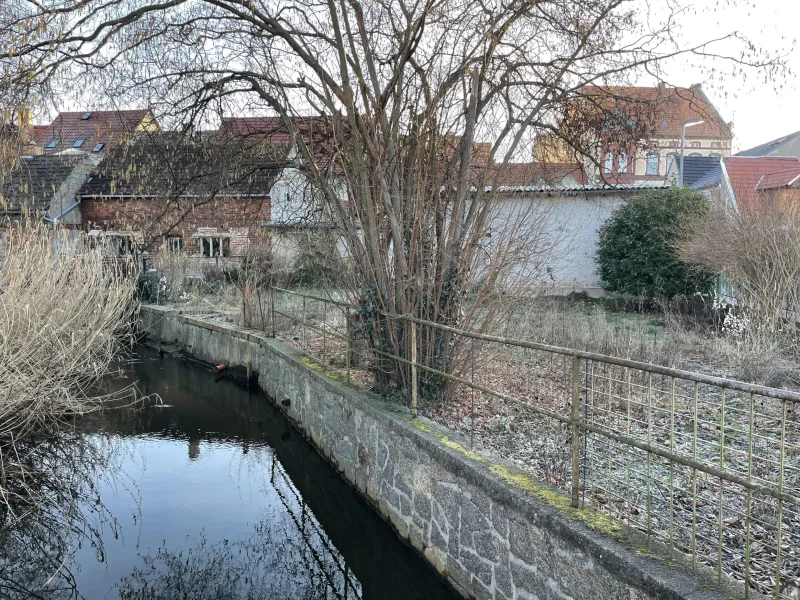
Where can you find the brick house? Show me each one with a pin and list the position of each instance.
(752, 182)
(296, 211)
(173, 196)
(637, 131)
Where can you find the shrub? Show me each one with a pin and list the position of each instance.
(318, 262)
(636, 252)
(758, 252)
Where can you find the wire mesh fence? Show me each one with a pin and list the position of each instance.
(706, 465)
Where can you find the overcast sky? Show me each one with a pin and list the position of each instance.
(760, 111)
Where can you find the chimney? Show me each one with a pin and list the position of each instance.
(662, 88)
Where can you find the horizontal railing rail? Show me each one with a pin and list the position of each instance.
(708, 464)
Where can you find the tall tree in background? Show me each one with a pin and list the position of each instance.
(425, 103)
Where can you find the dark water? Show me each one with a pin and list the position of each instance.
(215, 495)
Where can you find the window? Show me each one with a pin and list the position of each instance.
(53, 143)
(696, 144)
(175, 244)
(670, 157)
(652, 163)
(609, 166)
(715, 154)
(97, 147)
(121, 244)
(674, 143)
(695, 154)
(86, 116)
(79, 142)
(716, 144)
(215, 246)
(623, 162)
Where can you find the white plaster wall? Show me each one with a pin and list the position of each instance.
(292, 198)
(567, 227)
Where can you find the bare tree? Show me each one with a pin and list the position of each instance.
(423, 105)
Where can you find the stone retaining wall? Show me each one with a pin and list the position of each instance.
(489, 529)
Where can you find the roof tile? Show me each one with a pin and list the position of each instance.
(745, 173)
(102, 127)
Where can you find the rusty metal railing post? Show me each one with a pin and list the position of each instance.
(414, 398)
(303, 323)
(347, 350)
(272, 308)
(324, 329)
(576, 442)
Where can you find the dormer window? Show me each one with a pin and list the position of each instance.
(53, 143)
(86, 116)
(79, 142)
(98, 147)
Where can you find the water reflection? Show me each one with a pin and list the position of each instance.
(214, 495)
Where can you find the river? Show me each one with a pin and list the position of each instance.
(211, 493)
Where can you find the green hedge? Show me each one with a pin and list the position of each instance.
(636, 253)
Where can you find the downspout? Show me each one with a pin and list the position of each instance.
(55, 219)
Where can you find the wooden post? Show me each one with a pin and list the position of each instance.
(414, 397)
(576, 445)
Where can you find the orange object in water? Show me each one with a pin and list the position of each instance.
(220, 368)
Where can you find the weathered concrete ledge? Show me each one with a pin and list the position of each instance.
(489, 529)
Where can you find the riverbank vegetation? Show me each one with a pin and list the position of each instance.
(65, 314)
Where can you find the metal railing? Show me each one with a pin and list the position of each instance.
(707, 465)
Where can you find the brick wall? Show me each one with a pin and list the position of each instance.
(240, 218)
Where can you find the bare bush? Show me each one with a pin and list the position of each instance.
(63, 315)
(757, 250)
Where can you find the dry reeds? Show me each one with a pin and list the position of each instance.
(64, 309)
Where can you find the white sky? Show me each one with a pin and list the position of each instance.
(760, 110)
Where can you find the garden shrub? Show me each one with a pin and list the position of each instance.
(636, 252)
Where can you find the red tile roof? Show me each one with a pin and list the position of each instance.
(780, 179)
(538, 173)
(270, 128)
(665, 109)
(102, 127)
(745, 174)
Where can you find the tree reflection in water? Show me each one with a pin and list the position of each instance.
(288, 555)
(40, 533)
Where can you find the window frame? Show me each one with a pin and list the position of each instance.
(622, 162)
(174, 244)
(78, 143)
(608, 162)
(649, 164)
(213, 242)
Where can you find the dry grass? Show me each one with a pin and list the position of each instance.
(63, 316)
